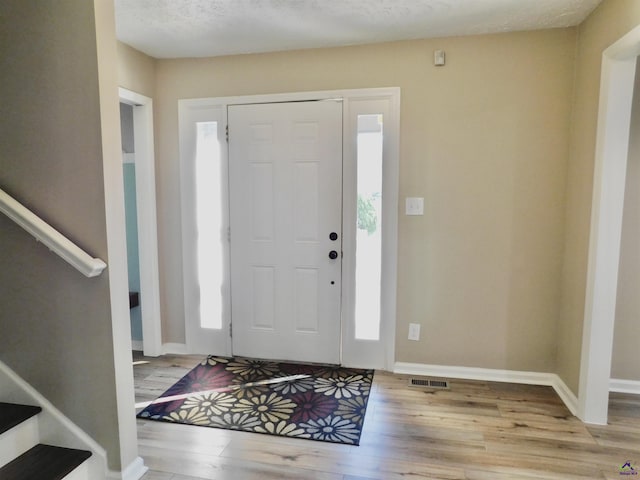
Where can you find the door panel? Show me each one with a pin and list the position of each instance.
(285, 199)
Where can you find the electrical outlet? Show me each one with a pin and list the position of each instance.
(414, 331)
(414, 206)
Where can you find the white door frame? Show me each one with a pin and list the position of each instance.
(365, 353)
(198, 341)
(147, 220)
(611, 155)
(191, 110)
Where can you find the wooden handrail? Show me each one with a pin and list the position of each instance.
(54, 240)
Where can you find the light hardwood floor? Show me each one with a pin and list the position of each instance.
(474, 431)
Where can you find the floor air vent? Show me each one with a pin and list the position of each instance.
(428, 383)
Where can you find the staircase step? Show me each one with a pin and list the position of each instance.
(44, 462)
(19, 430)
(12, 414)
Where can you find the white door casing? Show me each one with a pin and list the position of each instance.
(355, 353)
(611, 155)
(147, 224)
(285, 174)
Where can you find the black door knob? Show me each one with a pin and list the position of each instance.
(333, 254)
(333, 236)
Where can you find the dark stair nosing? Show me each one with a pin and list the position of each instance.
(12, 414)
(44, 462)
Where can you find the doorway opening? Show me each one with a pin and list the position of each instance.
(143, 188)
(131, 219)
(612, 151)
(625, 369)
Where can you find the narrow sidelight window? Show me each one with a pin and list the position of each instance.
(369, 227)
(210, 235)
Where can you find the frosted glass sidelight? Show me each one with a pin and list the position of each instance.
(369, 227)
(210, 235)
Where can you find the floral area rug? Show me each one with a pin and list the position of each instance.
(326, 403)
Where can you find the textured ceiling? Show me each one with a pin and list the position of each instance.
(199, 28)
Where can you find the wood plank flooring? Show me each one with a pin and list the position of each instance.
(473, 431)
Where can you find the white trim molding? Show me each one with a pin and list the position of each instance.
(144, 159)
(624, 386)
(378, 353)
(190, 114)
(134, 471)
(174, 349)
(493, 375)
(565, 394)
(611, 154)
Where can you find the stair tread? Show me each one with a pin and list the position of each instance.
(44, 462)
(12, 414)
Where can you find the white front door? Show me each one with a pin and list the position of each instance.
(285, 178)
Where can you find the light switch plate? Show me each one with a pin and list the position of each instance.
(414, 206)
(414, 331)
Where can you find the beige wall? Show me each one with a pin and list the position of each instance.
(610, 21)
(55, 323)
(484, 140)
(625, 364)
(136, 71)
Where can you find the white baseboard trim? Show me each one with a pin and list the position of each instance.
(624, 386)
(137, 345)
(175, 348)
(493, 375)
(473, 373)
(134, 471)
(565, 394)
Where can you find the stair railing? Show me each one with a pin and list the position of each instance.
(49, 236)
